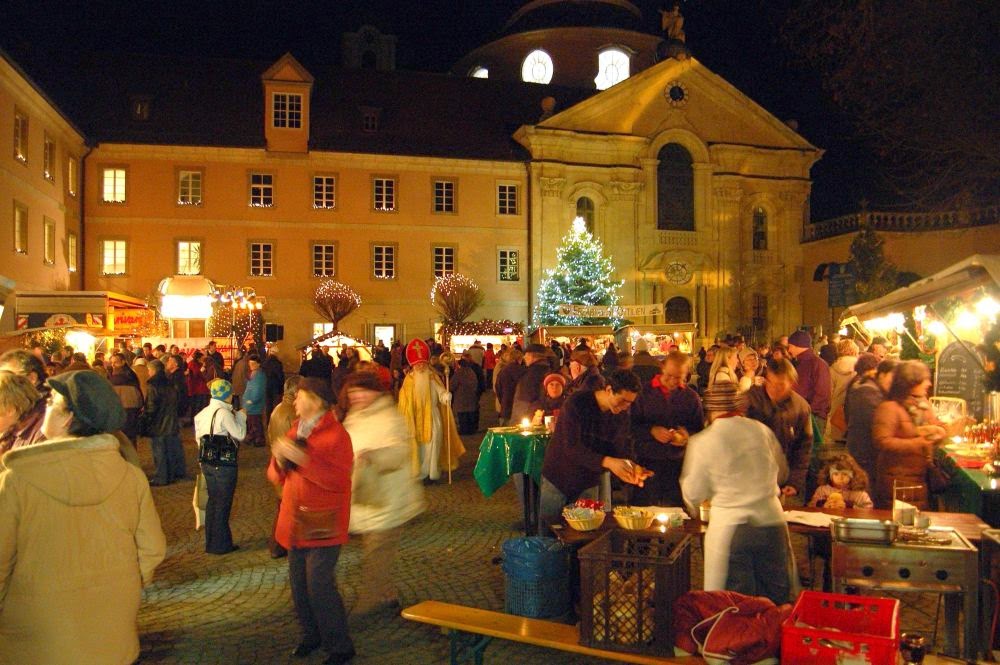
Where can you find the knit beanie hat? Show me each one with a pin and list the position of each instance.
(549, 378)
(220, 389)
(801, 339)
(318, 387)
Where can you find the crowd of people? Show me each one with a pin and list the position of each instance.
(353, 441)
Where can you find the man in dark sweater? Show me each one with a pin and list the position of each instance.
(814, 382)
(592, 435)
(506, 385)
(528, 392)
(663, 417)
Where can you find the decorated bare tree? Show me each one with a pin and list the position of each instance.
(335, 300)
(455, 297)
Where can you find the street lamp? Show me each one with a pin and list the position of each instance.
(242, 302)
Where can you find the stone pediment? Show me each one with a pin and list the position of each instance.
(679, 94)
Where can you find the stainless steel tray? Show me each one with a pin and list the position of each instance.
(855, 530)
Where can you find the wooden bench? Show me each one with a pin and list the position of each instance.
(465, 624)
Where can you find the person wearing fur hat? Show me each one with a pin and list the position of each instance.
(220, 481)
(79, 534)
(423, 403)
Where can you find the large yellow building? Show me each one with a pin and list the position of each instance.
(40, 197)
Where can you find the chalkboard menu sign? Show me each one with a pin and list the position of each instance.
(961, 375)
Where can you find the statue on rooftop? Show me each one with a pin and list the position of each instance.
(672, 23)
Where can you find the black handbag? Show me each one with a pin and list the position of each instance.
(217, 449)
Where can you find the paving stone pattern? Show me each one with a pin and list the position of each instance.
(237, 608)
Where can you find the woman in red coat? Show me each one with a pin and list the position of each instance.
(313, 463)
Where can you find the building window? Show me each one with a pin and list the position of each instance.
(444, 261)
(612, 68)
(324, 259)
(675, 189)
(139, 108)
(113, 185)
(759, 312)
(444, 196)
(189, 188)
(20, 137)
(188, 257)
(114, 254)
(537, 67)
(261, 190)
(479, 72)
(71, 251)
(261, 259)
(506, 199)
(759, 229)
(369, 119)
(324, 192)
(678, 310)
(322, 329)
(509, 265)
(384, 261)
(49, 238)
(20, 228)
(287, 110)
(585, 210)
(384, 194)
(49, 159)
(71, 170)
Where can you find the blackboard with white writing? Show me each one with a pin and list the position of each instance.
(959, 374)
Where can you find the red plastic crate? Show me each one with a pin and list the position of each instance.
(825, 626)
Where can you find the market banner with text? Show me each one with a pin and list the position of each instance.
(604, 311)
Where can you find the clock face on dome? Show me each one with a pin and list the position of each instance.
(537, 67)
(612, 68)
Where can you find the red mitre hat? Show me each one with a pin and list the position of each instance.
(417, 351)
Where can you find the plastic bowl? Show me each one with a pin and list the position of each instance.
(587, 524)
(636, 523)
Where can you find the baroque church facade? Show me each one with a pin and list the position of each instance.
(275, 176)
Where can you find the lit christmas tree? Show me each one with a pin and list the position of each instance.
(582, 276)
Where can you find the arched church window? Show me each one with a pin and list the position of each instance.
(585, 209)
(612, 68)
(675, 189)
(678, 310)
(369, 60)
(759, 229)
(537, 67)
(479, 72)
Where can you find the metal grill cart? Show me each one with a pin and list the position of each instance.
(939, 560)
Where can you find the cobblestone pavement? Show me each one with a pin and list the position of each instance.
(237, 608)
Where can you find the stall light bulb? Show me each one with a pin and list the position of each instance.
(936, 328)
(966, 319)
(663, 518)
(988, 307)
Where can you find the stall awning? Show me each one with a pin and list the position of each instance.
(977, 270)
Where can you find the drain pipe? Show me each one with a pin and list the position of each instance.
(81, 249)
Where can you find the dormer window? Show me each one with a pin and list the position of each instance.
(369, 119)
(479, 72)
(537, 67)
(287, 110)
(139, 108)
(612, 67)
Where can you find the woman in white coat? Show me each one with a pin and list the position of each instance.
(737, 464)
(385, 493)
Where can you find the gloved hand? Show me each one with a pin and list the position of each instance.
(446, 398)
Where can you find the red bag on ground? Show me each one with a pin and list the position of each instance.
(728, 626)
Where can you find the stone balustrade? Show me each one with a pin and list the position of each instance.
(901, 221)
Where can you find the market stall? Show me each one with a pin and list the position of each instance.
(596, 337)
(461, 335)
(660, 338)
(334, 342)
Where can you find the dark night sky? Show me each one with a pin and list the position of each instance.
(738, 39)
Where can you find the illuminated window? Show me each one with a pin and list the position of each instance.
(189, 186)
(71, 175)
(188, 257)
(585, 209)
(324, 192)
(759, 229)
(479, 73)
(261, 190)
(261, 259)
(444, 261)
(287, 110)
(384, 194)
(20, 228)
(324, 259)
(384, 261)
(322, 329)
(444, 196)
(113, 185)
(71, 251)
(139, 108)
(506, 199)
(509, 265)
(537, 67)
(49, 159)
(114, 254)
(20, 137)
(49, 240)
(612, 68)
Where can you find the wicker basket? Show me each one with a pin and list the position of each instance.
(587, 524)
(636, 523)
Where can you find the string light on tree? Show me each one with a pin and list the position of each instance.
(582, 276)
(335, 300)
(236, 313)
(455, 297)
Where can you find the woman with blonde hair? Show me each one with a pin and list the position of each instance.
(722, 394)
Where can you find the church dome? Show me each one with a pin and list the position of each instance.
(541, 14)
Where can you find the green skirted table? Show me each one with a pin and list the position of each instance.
(509, 450)
(971, 491)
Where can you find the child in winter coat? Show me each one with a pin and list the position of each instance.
(842, 484)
